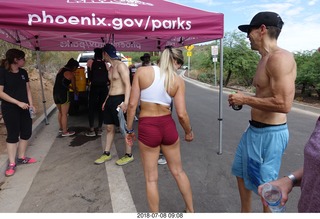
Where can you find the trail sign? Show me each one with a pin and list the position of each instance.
(189, 48)
(214, 50)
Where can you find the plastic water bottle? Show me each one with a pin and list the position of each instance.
(236, 107)
(32, 114)
(272, 195)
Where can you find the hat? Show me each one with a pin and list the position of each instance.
(267, 18)
(146, 55)
(110, 50)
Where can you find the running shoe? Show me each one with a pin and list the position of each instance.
(104, 157)
(60, 131)
(69, 133)
(162, 160)
(90, 134)
(11, 169)
(124, 160)
(26, 160)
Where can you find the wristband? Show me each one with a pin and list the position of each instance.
(293, 179)
(129, 131)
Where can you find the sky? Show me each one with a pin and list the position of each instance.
(301, 30)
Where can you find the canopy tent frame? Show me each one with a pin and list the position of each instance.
(131, 25)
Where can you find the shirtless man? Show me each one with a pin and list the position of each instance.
(119, 93)
(259, 153)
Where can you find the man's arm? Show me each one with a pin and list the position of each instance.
(125, 77)
(134, 99)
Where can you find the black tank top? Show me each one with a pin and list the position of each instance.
(62, 83)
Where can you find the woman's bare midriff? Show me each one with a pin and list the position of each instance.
(153, 109)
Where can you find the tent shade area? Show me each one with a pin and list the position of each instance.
(130, 25)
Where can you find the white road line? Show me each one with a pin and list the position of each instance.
(121, 198)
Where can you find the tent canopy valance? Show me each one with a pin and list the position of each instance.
(81, 25)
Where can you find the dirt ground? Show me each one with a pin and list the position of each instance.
(37, 101)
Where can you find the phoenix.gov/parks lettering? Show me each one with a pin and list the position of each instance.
(116, 23)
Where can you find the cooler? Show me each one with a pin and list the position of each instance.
(81, 81)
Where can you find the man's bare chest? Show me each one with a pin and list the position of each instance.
(261, 79)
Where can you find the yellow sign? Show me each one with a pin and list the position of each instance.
(189, 48)
(189, 53)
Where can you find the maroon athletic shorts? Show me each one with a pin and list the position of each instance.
(155, 131)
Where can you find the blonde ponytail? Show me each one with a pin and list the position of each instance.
(167, 68)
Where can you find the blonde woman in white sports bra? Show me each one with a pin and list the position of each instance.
(154, 87)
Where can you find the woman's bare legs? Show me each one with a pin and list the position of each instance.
(149, 158)
(22, 147)
(59, 116)
(12, 151)
(173, 156)
(63, 116)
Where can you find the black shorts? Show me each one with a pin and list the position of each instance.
(61, 97)
(110, 115)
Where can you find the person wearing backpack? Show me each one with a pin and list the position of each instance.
(99, 89)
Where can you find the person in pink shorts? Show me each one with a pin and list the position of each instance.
(154, 87)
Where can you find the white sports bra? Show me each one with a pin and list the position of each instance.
(156, 92)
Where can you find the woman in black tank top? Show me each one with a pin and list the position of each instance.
(61, 87)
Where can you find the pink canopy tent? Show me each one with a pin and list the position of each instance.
(130, 25)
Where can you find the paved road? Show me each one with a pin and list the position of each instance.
(66, 180)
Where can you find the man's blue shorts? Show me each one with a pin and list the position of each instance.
(259, 154)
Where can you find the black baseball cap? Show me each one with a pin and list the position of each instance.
(110, 50)
(267, 18)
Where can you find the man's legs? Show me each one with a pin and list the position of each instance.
(127, 158)
(110, 132)
(245, 196)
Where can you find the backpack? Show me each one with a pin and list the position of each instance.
(99, 73)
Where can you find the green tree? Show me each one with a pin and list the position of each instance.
(239, 60)
(308, 72)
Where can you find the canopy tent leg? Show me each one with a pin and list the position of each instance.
(41, 84)
(220, 97)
